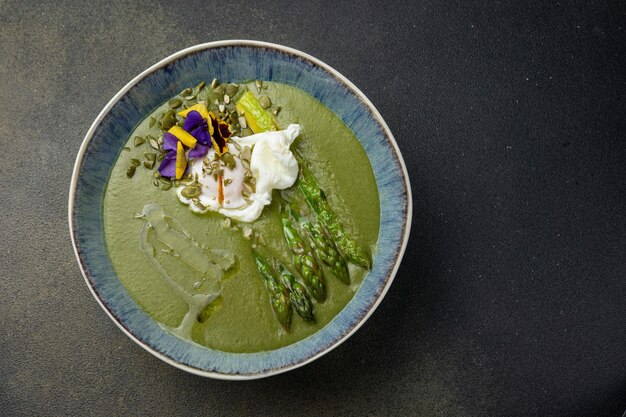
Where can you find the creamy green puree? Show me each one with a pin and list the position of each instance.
(242, 319)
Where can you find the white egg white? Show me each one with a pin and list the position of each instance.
(271, 163)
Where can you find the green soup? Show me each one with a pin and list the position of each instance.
(243, 320)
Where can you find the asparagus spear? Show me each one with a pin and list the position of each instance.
(316, 198)
(297, 295)
(279, 297)
(320, 242)
(260, 120)
(304, 261)
(326, 251)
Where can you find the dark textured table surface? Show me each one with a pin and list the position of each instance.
(511, 296)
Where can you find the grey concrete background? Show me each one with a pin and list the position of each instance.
(510, 300)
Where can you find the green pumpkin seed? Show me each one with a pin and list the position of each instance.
(186, 92)
(130, 171)
(155, 183)
(276, 110)
(236, 145)
(152, 121)
(175, 103)
(219, 90)
(156, 175)
(259, 85)
(214, 83)
(139, 140)
(148, 164)
(190, 191)
(126, 148)
(200, 85)
(160, 157)
(168, 120)
(231, 89)
(246, 153)
(242, 122)
(154, 144)
(150, 156)
(135, 162)
(166, 186)
(265, 102)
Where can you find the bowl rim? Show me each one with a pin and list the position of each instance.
(280, 48)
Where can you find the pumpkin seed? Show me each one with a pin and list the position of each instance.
(265, 102)
(139, 140)
(276, 110)
(126, 148)
(200, 85)
(199, 204)
(246, 132)
(190, 191)
(130, 171)
(152, 121)
(175, 103)
(242, 122)
(245, 163)
(165, 180)
(246, 153)
(259, 85)
(186, 92)
(227, 182)
(229, 160)
(150, 156)
(155, 183)
(135, 162)
(148, 164)
(248, 188)
(221, 108)
(168, 120)
(154, 144)
(166, 186)
(226, 98)
(236, 145)
(231, 89)
(248, 233)
(214, 83)
(160, 157)
(156, 175)
(219, 90)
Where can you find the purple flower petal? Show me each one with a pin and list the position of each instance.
(168, 165)
(169, 142)
(193, 120)
(199, 151)
(202, 135)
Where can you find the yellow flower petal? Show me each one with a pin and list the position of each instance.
(200, 108)
(183, 136)
(181, 161)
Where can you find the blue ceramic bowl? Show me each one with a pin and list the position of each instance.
(235, 61)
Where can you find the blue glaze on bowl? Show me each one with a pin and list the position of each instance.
(234, 61)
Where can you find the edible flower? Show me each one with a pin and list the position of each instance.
(219, 134)
(201, 130)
